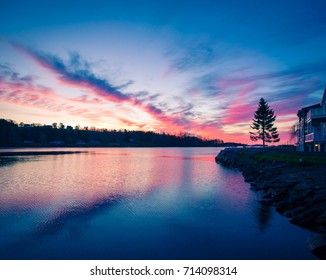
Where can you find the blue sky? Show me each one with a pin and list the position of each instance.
(194, 66)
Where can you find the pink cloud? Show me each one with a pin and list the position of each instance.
(83, 78)
(86, 99)
(239, 110)
(236, 96)
(36, 96)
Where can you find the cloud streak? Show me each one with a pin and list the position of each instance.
(286, 91)
(77, 72)
(25, 91)
(191, 56)
(216, 102)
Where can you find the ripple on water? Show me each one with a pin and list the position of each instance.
(138, 203)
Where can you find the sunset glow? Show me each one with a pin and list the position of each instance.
(166, 66)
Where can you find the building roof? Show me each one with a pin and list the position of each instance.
(310, 107)
(304, 110)
(307, 108)
(323, 100)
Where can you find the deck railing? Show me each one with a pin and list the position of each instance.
(316, 136)
(316, 113)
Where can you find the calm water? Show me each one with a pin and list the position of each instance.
(132, 203)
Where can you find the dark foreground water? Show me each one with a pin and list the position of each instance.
(132, 203)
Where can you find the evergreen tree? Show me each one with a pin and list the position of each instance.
(263, 123)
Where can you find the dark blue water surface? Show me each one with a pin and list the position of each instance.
(137, 203)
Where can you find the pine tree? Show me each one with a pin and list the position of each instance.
(263, 123)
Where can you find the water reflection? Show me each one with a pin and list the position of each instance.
(136, 204)
(74, 214)
(10, 160)
(263, 214)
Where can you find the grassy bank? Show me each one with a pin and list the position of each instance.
(295, 158)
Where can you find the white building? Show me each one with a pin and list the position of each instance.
(312, 127)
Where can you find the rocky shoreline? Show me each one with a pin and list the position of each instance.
(294, 183)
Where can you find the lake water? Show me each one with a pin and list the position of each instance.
(137, 203)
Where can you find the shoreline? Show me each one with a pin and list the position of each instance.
(37, 153)
(292, 182)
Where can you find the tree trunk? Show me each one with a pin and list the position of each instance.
(263, 135)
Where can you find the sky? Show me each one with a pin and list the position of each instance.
(167, 66)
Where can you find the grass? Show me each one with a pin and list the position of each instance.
(292, 158)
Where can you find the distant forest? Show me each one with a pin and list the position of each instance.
(13, 134)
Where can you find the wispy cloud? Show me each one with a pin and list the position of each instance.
(218, 99)
(77, 72)
(287, 90)
(25, 91)
(12, 83)
(7, 73)
(192, 55)
(86, 99)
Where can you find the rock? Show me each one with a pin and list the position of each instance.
(320, 196)
(265, 201)
(268, 195)
(323, 213)
(293, 212)
(249, 178)
(307, 218)
(254, 187)
(266, 185)
(299, 195)
(279, 194)
(317, 245)
(281, 206)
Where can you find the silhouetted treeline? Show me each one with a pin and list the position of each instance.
(36, 135)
